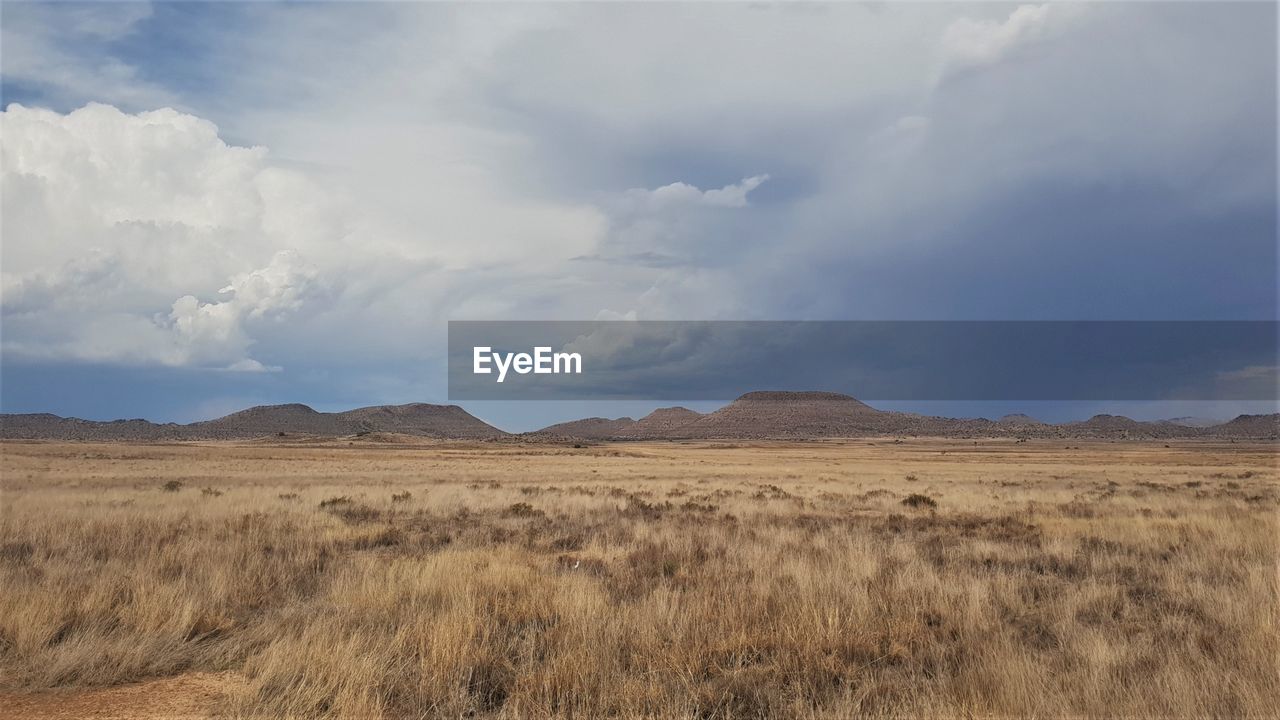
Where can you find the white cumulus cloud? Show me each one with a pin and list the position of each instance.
(729, 196)
(969, 43)
(144, 238)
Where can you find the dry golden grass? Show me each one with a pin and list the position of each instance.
(669, 580)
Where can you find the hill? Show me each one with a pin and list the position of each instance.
(44, 426)
(1189, 421)
(1121, 427)
(595, 428)
(448, 422)
(767, 414)
(269, 420)
(816, 415)
(1249, 426)
(422, 419)
(670, 422)
(1019, 419)
(755, 415)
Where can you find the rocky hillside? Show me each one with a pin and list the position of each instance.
(595, 428)
(756, 415)
(806, 415)
(448, 422)
(670, 422)
(789, 414)
(43, 426)
(437, 421)
(1019, 419)
(1249, 426)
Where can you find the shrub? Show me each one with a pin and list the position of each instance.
(355, 513)
(172, 486)
(522, 510)
(916, 500)
(388, 537)
(641, 509)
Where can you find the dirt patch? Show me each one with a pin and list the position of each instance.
(190, 696)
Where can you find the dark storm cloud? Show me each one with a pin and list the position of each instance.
(1026, 361)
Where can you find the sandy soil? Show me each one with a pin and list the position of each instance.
(192, 696)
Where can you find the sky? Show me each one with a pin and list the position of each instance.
(208, 206)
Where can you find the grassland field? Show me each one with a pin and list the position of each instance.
(390, 578)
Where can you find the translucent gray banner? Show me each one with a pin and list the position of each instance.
(871, 360)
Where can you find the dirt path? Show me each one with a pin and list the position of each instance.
(190, 696)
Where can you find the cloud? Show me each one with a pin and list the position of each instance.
(969, 43)
(461, 161)
(121, 229)
(681, 193)
(672, 227)
(206, 332)
(1261, 381)
(249, 365)
(145, 239)
(62, 53)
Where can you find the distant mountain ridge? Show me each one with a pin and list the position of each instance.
(755, 415)
(1019, 419)
(815, 415)
(1189, 421)
(595, 428)
(447, 422)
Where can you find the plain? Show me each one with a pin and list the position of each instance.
(388, 577)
